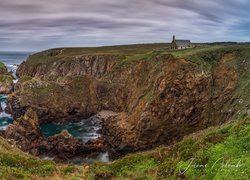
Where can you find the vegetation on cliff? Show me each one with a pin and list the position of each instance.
(221, 152)
(15, 164)
(161, 96)
(6, 80)
(154, 88)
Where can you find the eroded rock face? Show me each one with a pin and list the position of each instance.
(181, 106)
(159, 100)
(93, 65)
(14, 107)
(26, 132)
(181, 103)
(72, 99)
(64, 145)
(6, 84)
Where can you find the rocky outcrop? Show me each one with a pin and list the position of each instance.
(27, 135)
(185, 99)
(6, 80)
(71, 99)
(14, 107)
(26, 132)
(179, 105)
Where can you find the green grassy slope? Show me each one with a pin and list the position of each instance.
(68, 53)
(15, 164)
(216, 153)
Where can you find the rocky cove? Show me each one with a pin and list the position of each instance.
(27, 133)
(130, 102)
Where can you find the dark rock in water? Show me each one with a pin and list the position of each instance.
(62, 147)
(1, 109)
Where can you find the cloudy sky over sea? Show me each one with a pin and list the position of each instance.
(41, 24)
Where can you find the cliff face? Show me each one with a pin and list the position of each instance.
(160, 96)
(93, 65)
(68, 99)
(6, 80)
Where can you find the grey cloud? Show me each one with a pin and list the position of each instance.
(29, 24)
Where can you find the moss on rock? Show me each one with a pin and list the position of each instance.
(6, 80)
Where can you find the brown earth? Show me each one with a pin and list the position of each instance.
(158, 100)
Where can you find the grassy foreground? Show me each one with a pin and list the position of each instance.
(216, 153)
(15, 164)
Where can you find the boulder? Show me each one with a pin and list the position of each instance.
(63, 145)
(97, 144)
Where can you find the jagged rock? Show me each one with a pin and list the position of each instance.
(64, 145)
(14, 107)
(98, 144)
(179, 105)
(94, 65)
(71, 99)
(26, 132)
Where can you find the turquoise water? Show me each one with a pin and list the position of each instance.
(5, 119)
(11, 60)
(4, 122)
(83, 130)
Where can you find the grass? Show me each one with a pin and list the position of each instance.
(6, 79)
(134, 165)
(15, 164)
(3, 69)
(68, 54)
(216, 153)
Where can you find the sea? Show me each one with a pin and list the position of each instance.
(11, 60)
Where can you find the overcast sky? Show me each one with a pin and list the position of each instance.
(41, 24)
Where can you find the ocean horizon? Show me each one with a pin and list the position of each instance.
(13, 57)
